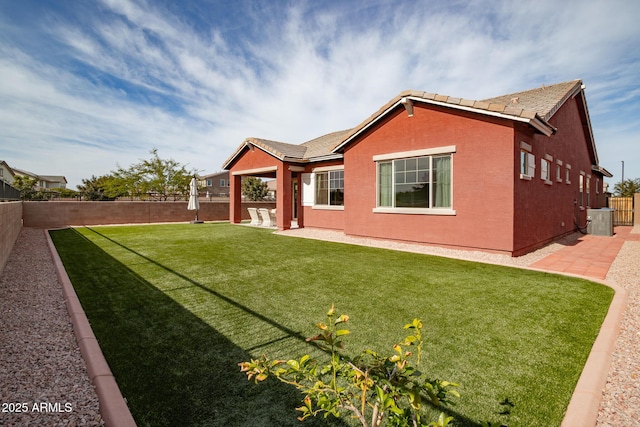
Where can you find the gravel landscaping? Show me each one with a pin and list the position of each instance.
(43, 378)
(621, 396)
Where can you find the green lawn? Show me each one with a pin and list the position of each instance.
(177, 307)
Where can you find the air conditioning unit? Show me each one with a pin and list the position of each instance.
(600, 222)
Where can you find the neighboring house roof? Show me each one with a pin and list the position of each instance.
(47, 178)
(52, 178)
(6, 165)
(23, 172)
(534, 107)
(213, 175)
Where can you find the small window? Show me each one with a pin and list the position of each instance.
(222, 183)
(209, 182)
(581, 190)
(527, 164)
(545, 171)
(329, 188)
(567, 176)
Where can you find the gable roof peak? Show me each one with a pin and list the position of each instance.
(544, 100)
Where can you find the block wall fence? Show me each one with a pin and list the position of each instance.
(10, 226)
(61, 214)
(15, 215)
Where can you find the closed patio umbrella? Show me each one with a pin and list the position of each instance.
(194, 205)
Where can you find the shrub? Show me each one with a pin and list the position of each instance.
(378, 390)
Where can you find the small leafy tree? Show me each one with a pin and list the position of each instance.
(95, 188)
(154, 177)
(254, 189)
(375, 389)
(26, 185)
(627, 188)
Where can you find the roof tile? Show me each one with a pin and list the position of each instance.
(540, 102)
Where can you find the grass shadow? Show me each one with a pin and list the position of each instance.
(497, 331)
(172, 367)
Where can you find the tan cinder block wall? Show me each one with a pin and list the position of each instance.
(10, 226)
(636, 207)
(61, 214)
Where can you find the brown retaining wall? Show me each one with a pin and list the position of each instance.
(61, 214)
(10, 226)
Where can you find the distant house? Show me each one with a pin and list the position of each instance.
(506, 174)
(216, 184)
(6, 172)
(44, 182)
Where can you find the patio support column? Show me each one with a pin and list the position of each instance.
(283, 198)
(235, 199)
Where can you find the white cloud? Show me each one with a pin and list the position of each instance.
(135, 76)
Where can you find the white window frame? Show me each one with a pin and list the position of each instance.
(309, 188)
(581, 189)
(567, 177)
(527, 162)
(558, 170)
(430, 153)
(545, 169)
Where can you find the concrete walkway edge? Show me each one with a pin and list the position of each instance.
(113, 408)
(585, 401)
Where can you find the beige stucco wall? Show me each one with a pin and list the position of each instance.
(10, 226)
(61, 214)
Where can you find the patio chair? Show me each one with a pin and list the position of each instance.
(268, 219)
(255, 218)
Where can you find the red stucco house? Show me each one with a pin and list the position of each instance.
(507, 174)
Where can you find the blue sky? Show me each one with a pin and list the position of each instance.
(88, 86)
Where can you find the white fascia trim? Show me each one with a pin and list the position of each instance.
(371, 123)
(271, 153)
(546, 129)
(328, 168)
(415, 153)
(335, 156)
(415, 211)
(255, 171)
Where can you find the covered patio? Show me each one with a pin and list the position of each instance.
(287, 176)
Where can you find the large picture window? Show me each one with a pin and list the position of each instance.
(330, 188)
(417, 182)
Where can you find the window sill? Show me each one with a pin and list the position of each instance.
(548, 182)
(415, 211)
(525, 177)
(327, 208)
